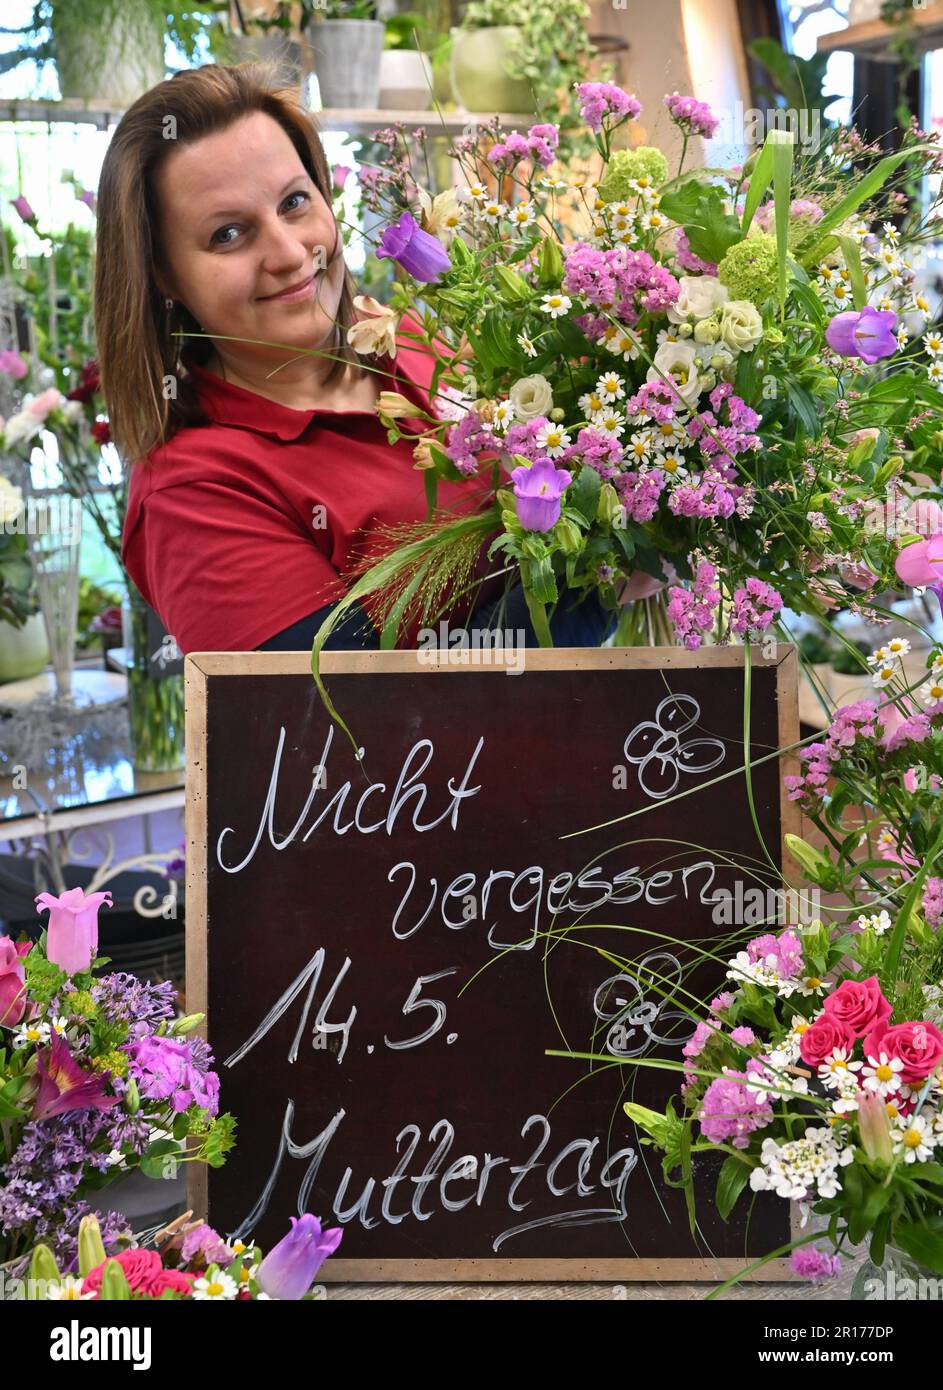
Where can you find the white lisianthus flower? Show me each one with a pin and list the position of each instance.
(700, 296)
(741, 326)
(531, 396)
(678, 361)
(20, 428)
(11, 500)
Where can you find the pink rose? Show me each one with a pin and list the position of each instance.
(822, 1037)
(860, 1005)
(918, 1045)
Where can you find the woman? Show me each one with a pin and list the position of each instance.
(260, 468)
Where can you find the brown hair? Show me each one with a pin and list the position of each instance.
(133, 327)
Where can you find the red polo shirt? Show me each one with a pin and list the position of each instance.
(225, 535)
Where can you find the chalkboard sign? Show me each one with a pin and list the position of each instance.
(393, 951)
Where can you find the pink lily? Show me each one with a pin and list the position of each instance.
(63, 1085)
(921, 564)
(72, 938)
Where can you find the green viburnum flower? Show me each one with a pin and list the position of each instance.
(114, 1061)
(644, 163)
(80, 1003)
(749, 269)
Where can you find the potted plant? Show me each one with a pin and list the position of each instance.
(111, 50)
(267, 37)
(515, 55)
(406, 65)
(346, 39)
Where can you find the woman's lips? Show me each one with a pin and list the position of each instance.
(291, 295)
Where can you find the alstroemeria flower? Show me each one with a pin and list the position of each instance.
(538, 489)
(422, 256)
(72, 937)
(63, 1085)
(289, 1268)
(921, 564)
(376, 331)
(868, 333)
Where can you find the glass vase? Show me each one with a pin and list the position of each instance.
(54, 531)
(899, 1277)
(155, 702)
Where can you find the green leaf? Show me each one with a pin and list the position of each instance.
(923, 1245)
(781, 144)
(584, 494)
(152, 1162)
(852, 256)
(731, 1180)
(710, 229)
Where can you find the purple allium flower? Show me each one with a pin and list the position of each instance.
(813, 1264)
(538, 488)
(166, 1069)
(422, 256)
(692, 116)
(868, 333)
(289, 1268)
(599, 100)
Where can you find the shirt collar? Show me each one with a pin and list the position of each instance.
(228, 404)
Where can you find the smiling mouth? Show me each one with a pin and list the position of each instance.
(291, 290)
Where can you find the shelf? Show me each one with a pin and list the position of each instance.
(356, 121)
(872, 39)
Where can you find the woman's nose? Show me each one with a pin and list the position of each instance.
(282, 249)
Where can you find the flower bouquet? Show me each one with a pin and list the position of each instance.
(818, 1071)
(697, 385)
(189, 1260)
(98, 1075)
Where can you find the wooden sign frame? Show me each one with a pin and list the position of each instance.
(200, 667)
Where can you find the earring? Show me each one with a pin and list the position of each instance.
(168, 304)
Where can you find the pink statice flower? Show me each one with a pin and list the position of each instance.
(755, 607)
(813, 1264)
(693, 117)
(732, 1110)
(602, 100)
(692, 610)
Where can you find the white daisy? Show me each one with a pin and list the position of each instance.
(921, 305)
(884, 675)
(591, 403)
(670, 434)
(69, 1288)
(58, 1026)
(523, 214)
(879, 657)
(608, 422)
(672, 465)
(526, 344)
(654, 221)
(837, 1067)
(493, 211)
(626, 345)
(35, 1033)
(640, 447)
(553, 438)
(554, 185)
(667, 335)
(931, 691)
(901, 336)
(898, 646)
(809, 985)
(555, 305)
(610, 388)
(890, 231)
(475, 193)
(504, 413)
(935, 372)
(216, 1286)
(933, 343)
(914, 1138)
(881, 1074)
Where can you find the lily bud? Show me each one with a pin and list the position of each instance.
(42, 1266)
(549, 264)
(394, 406)
(132, 1099)
(569, 535)
(180, 1026)
(874, 1128)
(608, 508)
(91, 1248)
(115, 1285)
(817, 865)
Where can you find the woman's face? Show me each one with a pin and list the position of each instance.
(241, 220)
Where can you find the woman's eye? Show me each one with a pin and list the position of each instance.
(304, 196)
(216, 240)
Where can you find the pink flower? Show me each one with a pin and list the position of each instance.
(859, 1005)
(40, 406)
(142, 1269)
(921, 564)
(918, 1045)
(72, 936)
(822, 1037)
(814, 1264)
(24, 209)
(12, 983)
(12, 364)
(340, 175)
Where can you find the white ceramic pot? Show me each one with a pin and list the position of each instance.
(24, 650)
(405, 80)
